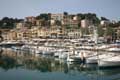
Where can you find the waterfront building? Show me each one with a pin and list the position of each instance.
(104, 22)
(5, 35)
(52, 22)
(19, 35)
(23, 33)
(20, 25)
(9, 35)
(12, 34)
(70, 21)
(73, 33)
(118, 33)
(57, 32)
(75, 18)
(38, 22)
(30, 19)
(57, 16)
(34, 32)
(43, 32)
(85, 23)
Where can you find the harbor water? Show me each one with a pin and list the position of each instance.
(23, 65)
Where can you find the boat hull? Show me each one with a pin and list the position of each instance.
(91, 61)
(102, 63)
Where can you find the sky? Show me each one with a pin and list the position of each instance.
(22, 8)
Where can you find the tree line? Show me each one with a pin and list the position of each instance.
(9, 23)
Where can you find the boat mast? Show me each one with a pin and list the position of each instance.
(95, 34)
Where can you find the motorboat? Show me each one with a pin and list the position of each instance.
(91, 58)
(74, 57)
(114, 49)
(112, 61)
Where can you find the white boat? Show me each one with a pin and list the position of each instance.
(114, 49)
(63, 54)
(92, 60)
(57, 52)
(16, 48)
(74, 56)
(95, 56)
(47, 52)
(37, 51)
(109, 62)
(25, 47)
(70, 58)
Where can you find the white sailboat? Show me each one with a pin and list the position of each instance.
(93, 58)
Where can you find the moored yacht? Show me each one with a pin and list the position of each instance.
(112, 61)
(91, 57)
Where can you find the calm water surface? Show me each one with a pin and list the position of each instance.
(19, 65)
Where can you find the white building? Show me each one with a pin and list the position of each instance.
(85, 23)
(20, 25)
(104, 22)
(52, 22)
(57, 17)
(75, 18)
(74, 34)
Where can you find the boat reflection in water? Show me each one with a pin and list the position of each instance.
(26, 66)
